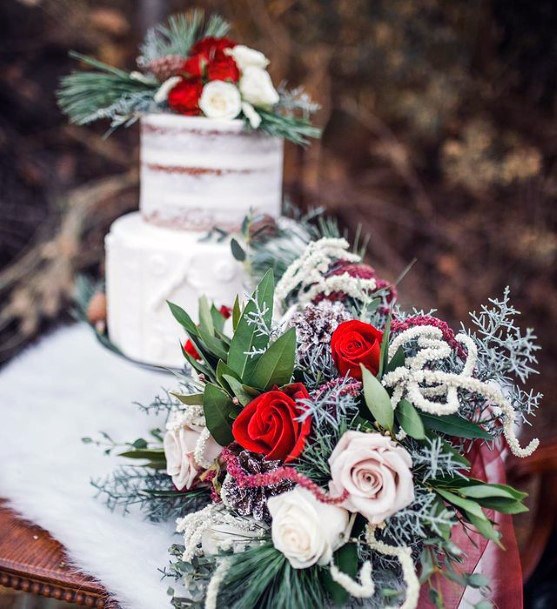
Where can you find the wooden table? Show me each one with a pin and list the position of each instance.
(32, 561)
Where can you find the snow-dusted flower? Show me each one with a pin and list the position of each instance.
(251, 114)
(162, 92)
(375, 471)
(305, 530)
(220, 99)
(184, 442)
(246, 57)
(257, 88)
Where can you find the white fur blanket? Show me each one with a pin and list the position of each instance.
(65, 388)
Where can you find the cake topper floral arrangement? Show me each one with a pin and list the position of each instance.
(332, 449)
(191, 67)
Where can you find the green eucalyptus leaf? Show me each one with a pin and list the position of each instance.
(396, 361)
(384, 354)
(469, 506)
(246, 337)
(152, 454)
(484, 528)
(505, 506)
(205, 317)
(183, 319)
(481, 491)
(238, 389)
(410, 420)
(454, 425)
(236, 313)
(218, 406)
(193, 399)
(377, 399)
(276, 365)
(237, 250)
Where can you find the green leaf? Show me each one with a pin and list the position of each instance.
(140, 443)
(384, 355)
(210, 345)
(238, 389)
(236, 313)
(454, 425)
(218, 319)
(484, 528)
(183, 319)
(410, 420)
(505, 506)
(237, 250)
(218, 407)
(346, 559)
(205, 317)
(246, 337)
(152, 454)
(481, 491)
(377, 399)
(276, 365)
(396, 361)
(193, 399)
(471, 507)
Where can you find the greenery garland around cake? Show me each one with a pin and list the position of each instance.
(189, 66)
(324, 450)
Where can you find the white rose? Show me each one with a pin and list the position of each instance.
(220, 99)
(305, 530)
(246, 57)
(376, 473)
(180, 442)
(253, 117)
(257, 88)
(162, 92)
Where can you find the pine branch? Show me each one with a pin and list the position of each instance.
(296, 130)
(106, 92)
(179, 35)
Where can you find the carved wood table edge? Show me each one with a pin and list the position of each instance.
(32, 561)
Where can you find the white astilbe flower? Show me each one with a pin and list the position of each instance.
(404, 556)
(437, 391)
(307, 273)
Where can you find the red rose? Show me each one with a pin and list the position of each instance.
(210, 45)
(223, 67)
(193, 66)
(184, 97)
(353, 343)
(190, 349)
(268, 425)
(225, 311)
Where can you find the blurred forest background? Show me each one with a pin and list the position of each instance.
(439, 139)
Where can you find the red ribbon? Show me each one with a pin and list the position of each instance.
(501, 567)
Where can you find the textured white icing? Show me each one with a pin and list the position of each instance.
(197, 173)
(147, 265)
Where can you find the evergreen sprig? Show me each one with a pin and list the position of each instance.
(85, 96)
(297, 130)
(179, 34)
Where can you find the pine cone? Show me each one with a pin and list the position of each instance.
(252, 501)
(263, 227)
(165, 67)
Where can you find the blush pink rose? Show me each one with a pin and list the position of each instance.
(180, 442)
(375, 471)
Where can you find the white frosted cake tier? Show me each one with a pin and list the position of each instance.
(197, 173)
(148, 265)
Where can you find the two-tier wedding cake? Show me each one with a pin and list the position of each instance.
(196, 174)
(212, 132)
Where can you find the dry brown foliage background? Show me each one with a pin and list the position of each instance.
(439, 139)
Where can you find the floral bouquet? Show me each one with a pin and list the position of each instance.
(332, 449)
(190, 67)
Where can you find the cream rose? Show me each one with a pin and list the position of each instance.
(182, 440)
(257, 88)
(246, 57)
(305, 530)
(220, 99)
(251, 114)
(376, 473)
